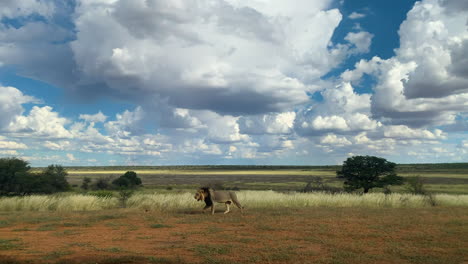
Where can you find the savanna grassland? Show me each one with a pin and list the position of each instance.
(162, 223)
(439, 178)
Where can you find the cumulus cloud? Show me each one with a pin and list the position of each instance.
(12, 145)
(356, 15)
(281, 123)
(11, 101)
(342, 111)
(127, 123)
(96, 118)
(361, 41)
(332, 139)
(425, 83)
(195, 56)
(40, 122)
(404, 132)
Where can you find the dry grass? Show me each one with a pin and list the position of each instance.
(249, 199)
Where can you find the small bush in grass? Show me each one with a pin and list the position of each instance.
(86, 183)
(416, 186)
(102, 184)
(102, 193)
(124, 195)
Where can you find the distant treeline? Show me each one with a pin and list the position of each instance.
(400, 167)
(433, 167)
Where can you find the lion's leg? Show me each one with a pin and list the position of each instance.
(213, 209)
(227, 208)
(204, 208)
(238, 205)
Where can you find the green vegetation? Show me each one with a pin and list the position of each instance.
(368, 172)
(16, 178)
(250, 199)
(439, 178)
(128, 180)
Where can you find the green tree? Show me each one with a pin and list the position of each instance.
(128, 180)
(85, 183)
(11, 170)
(55, 177)
(16, 178)
(368, 172)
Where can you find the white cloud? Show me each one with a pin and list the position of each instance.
(334, 140)
(70, 157)
(59, 145)
(9, 152)
(11, 101)
(127, 123)
(361, 40)
(41, 122)
(97, 118)
(356, 15)
(425, 83)
(281, 123)
(342, 111)
(13, 145)
(404, 132)
(204, 51)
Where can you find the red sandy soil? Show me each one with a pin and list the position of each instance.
(309, 235)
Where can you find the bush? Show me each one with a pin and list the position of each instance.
(315, 184)
(16, 179)
(102, 184)
(415, 185)
(12, 172)
(128, 180)
(85, 184)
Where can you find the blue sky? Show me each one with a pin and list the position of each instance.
(116, 82)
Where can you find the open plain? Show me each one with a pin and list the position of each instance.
(162, 223)
(294, 235)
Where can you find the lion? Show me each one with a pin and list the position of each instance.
(210, 197)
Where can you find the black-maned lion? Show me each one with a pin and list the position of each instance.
(210, 197)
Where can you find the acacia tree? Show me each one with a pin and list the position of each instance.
(368, 172)
(128, 180)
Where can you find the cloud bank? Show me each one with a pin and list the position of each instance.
(232, 81)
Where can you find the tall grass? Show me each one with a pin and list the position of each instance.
(75, 202)
(271, 199)
(249, 199)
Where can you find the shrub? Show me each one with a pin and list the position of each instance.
(102, 184)
(16, 179)
(128, 180)
(85, 184)
(415, 185)
(12, 170)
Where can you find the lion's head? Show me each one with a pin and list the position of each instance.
(201, 194)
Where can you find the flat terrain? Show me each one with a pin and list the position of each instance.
(307, 235)
(439, 178)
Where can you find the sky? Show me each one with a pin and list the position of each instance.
(256, 82)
